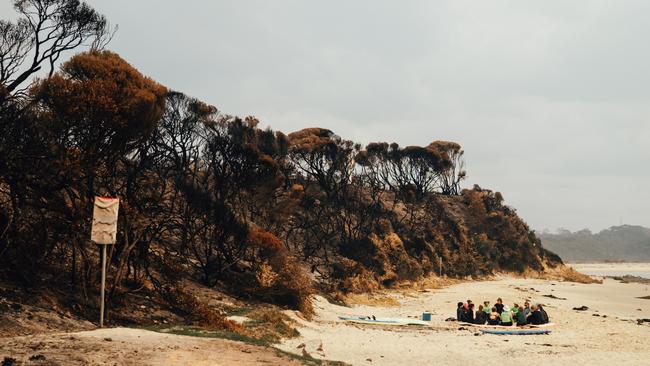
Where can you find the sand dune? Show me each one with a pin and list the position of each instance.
(126, 346)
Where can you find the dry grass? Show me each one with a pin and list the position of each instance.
(433, 282)
(203, 314)
(571, 275)
(364, 282)
(562, 273)
(269, 324)
(280, 279)
(385, 297)
(372, 299)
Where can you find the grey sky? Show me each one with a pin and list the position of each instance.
(550, 99)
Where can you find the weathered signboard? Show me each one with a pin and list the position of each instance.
(104, 230)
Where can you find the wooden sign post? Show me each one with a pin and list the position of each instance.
(102, 301)
(104, 232)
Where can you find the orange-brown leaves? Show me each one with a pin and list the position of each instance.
(444, 146)
(296, 191)
(251, 121)
(434, 158)
(202, 109)
(309, 139)
(263, 240)
(475, 202)
(104, 92)
(279, 276)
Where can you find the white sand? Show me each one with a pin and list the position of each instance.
(578, 338)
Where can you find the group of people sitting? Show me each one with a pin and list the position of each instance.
(501, 314)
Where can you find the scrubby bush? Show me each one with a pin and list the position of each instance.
(279, 277)
(194, 308)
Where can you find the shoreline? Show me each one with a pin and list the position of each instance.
(639, 270)
(641, 266)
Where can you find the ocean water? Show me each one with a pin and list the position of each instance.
(643, 274)
(614, 269)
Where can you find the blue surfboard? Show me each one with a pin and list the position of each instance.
(516, 331)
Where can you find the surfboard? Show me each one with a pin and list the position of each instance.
(515, 331)
(385, 321)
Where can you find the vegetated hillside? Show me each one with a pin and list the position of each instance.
(210, 198)
(618, 243)
(470, 234)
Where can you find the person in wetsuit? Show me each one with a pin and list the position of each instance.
(521, 317)
(494, 318)
(499, 306)
(544, 314)
(535, 317)
(487, 308)
(506, 317)
(481, 316)
(526, 308)
(469, 314)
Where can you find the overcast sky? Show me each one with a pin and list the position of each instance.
(550, 99)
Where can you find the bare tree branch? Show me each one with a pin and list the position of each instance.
(47, 29)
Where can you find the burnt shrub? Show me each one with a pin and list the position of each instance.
(279, 278)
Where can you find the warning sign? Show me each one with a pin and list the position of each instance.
(105, 212)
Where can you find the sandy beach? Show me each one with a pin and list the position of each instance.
(607, 333)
